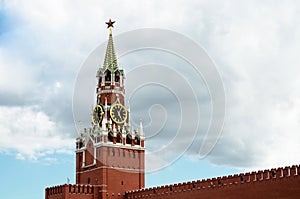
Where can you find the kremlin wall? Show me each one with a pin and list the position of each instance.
(267, 184)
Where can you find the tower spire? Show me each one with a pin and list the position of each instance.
(110, 60)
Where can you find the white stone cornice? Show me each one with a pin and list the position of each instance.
(109, 167)
(110, 91)
(119, 145)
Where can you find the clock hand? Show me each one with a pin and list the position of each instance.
(119, 113)
(99, 114)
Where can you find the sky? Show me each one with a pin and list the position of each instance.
(44, 46)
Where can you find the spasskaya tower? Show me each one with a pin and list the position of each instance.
(109, 154)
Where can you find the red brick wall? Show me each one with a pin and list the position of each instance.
(117, 170)
(79, 156)
(111, 97)
(89, 153)
(282, 183)
(120, 181)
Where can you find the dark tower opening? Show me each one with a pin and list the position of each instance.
(108, 76)
(117, 76)
(119, 138)
(110, 137)
(128, 139)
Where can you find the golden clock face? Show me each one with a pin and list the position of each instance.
(97, 114)
(118, 113)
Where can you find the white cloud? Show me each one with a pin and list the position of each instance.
(14, 75)
(30, 133)
(255, 45)
(257, 57)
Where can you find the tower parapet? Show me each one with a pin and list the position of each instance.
(70, 191)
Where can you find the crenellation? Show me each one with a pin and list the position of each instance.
(281, 175)
(260, 175)
(247, 177)
(294, 170)
(253, 176)
(204, 182)
(177, 187)
(81, 188)
(273, 173)
(213, 182)
(219, 181)
(229, 180)
(84, 189)
(241, 178)
(187, 185)
(225, 180)
(235, 178)
(287, 171)
(266, 174)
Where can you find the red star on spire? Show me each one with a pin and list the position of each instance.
(110, 23)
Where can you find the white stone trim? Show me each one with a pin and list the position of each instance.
(90, 165)
(119, 145)
(95, 155)
(83, 159)
(110, 91)
(107, 167)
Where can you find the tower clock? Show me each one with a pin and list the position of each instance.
(97, 114)
(118, 113)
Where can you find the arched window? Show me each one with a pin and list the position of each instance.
(137, 140)
(80, 144)
(117, 76)
(107, 76)
(110, 137)
(119, 138)
(128, 139)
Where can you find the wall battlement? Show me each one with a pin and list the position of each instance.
(259, 177)
(62, 191)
